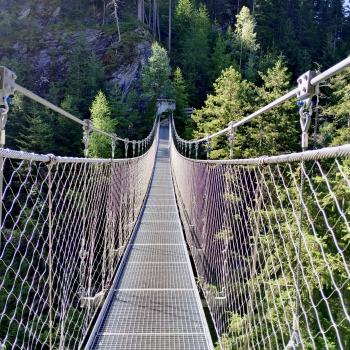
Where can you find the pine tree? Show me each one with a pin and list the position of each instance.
(244, 34)
(101, 116)
(85, 76)
(191, 47)
(68, 134)
(337, 130)
(181, 98)
(220, 58)
(264, 135)
(232, 100)
(37, 132)
(156, 75)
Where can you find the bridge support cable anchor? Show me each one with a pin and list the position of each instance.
(50, 165)
(87, 130)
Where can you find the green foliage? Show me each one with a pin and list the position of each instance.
(101, 116)
(263, 136)
(156, 75)
(232, 99)
(85, 76)
(183, 123)
(245, 33)
(192, 47)
(220, 58)
(337, 130)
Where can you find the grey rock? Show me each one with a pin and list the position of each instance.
(56, 12)
(126, 76)
(20, 48)
(24, 14)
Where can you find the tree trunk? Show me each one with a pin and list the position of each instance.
(170, 22)
(154, 17)
(141, 10)
(104, 12)
(150, 13)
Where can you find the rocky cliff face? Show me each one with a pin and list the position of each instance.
(42, 33)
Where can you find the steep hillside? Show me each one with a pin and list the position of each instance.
(40, 36)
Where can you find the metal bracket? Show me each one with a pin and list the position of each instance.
(305, 88)
(221, 295)
(7, 89)
(95, 301)
(117, 253)
(305, 94)
(7, 86)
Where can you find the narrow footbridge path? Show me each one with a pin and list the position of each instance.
(155, 303)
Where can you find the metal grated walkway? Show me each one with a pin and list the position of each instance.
(155, 303)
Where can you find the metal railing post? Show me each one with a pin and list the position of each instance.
(7, 89)
(231, 137)
(208, 147)
(86, 136)
(133, 148)
(126, 144)
(113, 144)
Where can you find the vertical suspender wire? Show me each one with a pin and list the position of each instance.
(3, 116)
(83, 254)
(50, 254)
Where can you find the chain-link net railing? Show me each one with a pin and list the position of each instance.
(270, 241)
(64, 226)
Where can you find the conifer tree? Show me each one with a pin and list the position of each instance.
(244, 34)
(37, 132)
(264, 135)
(85, 76)
(101, 117)
(191, 47)
(336, 130)
(156, 75)
(220, 58)
(181, 98)
(232, 99)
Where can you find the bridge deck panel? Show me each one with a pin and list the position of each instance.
(155, 304)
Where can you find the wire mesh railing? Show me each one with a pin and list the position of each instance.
(64, 226)
(270, 241)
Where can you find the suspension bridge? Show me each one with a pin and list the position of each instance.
(121, 253)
